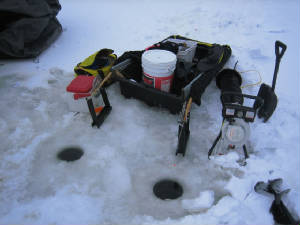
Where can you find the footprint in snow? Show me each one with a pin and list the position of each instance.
(256, 54)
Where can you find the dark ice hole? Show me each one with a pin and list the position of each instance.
(167, 189)
(70, 154)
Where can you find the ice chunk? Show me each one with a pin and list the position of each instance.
(203, 202)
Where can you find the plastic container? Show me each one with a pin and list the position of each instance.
(185, 53)
(158, 68)
(80, 104)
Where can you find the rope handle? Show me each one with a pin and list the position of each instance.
(254, 84)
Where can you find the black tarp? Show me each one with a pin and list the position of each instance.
(27, 27)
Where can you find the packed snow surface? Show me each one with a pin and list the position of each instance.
(135, 147)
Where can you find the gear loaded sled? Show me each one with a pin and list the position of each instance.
(202, 66)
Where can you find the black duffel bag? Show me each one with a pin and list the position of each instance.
(27, 27)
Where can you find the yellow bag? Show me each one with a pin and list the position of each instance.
(99, 63)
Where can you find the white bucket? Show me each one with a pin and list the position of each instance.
(158, 68)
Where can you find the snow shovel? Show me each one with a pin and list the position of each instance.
(266, 92)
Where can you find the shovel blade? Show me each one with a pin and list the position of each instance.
(270, 102)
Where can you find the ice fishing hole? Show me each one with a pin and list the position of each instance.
(167, 189)
(70, 154)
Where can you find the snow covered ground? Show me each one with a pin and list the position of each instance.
(135, 147)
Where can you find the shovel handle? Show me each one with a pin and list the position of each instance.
(279, 53)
